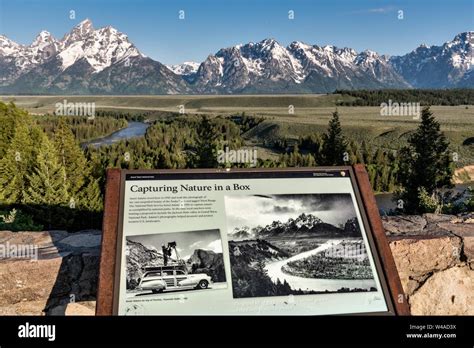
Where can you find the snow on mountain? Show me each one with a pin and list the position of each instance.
(84, 61)
(442, 66)
(237, 67)
(101, 48)
(302, 225)
(327, 59)
(186, 68)
(307, 220)
(89, 60)
(16, 59)
(79, 32)
(9, 47)
(24, 57)
(267, 65)
(43, 40)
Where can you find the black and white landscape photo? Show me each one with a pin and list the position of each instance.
(296, 244)
(170, 262)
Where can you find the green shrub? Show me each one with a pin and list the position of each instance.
(15, 220)
(427, 203)
(469, 202)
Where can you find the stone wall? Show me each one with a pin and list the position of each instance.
(62, 281)
(434, 255)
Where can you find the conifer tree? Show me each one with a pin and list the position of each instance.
(14, 166)
(90, 197)
(206, 145)
(46, 185)
(425, 164)
(71, 157)
(334, 143)
(366, 154)
(10, 116)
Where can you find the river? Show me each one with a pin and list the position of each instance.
(133, 130)
(274, 272)
(385, 201)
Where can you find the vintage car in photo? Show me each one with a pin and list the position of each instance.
(172, 278)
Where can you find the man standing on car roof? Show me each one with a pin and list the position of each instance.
(165, 252)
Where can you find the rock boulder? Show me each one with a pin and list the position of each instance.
(59, 268)
(434, 258)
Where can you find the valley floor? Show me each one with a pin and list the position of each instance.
(275, 272)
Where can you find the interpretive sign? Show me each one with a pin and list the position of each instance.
(302, 241)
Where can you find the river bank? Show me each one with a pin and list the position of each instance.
(133, 130)
(386, 203)
(275, 272)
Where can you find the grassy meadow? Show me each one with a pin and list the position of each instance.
(286, 116)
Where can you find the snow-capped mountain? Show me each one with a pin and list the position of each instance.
(263, 65)
(302, 225)
(267, 66)
(448, 65)
(100, 48)
(86, 60)
(186, 68)
(17, 59)
(104, 61)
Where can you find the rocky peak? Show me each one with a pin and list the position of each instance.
(44, 38)
(307, 220)
(8, 47)
(208, 262)
(262, 67)
(465, 39)
(185, 69)
(83, 29)
(100, 48)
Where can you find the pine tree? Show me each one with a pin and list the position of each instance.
(206, 145)
(425, 164)
(15, 164)
(260, 267)
(366, 154)
(46, 185)
(90, 197)
(334, 144)
(71, 157)
(10, 116)
(356, 155)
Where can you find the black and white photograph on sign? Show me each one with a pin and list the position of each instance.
(296, 244)
(170, 262)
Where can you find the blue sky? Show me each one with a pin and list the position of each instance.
(154, 27)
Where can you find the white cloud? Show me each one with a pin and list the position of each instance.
(195, 244)
(381, 9)
(385, 9)
(215, 246)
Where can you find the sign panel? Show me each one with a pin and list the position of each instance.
(244, 242)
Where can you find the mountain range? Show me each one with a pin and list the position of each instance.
(305, 225)
(104, 61)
